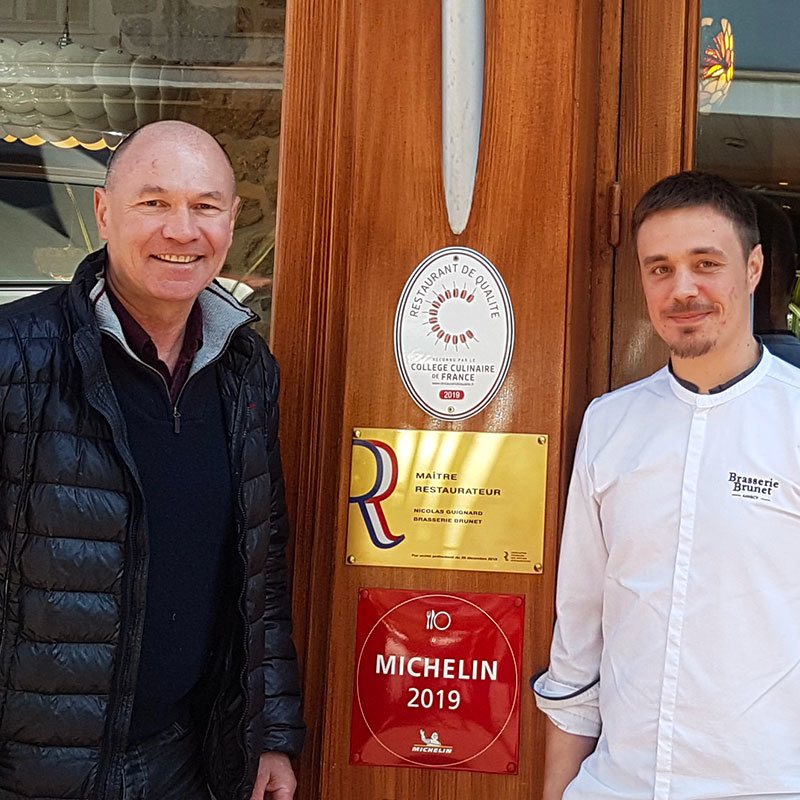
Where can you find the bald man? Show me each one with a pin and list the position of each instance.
(145, 632)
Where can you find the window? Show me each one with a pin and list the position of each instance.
(68, 96)
(748, 127)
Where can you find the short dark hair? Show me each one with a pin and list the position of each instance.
(691, 189)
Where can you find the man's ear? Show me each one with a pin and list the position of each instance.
(755, 264)
(101, 211)
(235, 209)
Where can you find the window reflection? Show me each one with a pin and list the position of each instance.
(46, 217)
(76, 76)
(748, 125)
(717, 58)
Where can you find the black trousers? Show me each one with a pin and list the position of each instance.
(165, 767)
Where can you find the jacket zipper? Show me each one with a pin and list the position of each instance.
(243, 592)
(124, 671)
(104, 772)
(246, 638)
(176, 414)
(26, 480)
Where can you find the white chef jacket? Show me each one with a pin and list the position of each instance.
(679, 587)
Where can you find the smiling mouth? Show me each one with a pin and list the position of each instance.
(688, 319)
(690, 315)
(175, 259)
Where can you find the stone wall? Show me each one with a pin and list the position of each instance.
(204, 31)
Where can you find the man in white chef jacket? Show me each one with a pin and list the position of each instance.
(675, 665)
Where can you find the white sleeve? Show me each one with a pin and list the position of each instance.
(568, 691)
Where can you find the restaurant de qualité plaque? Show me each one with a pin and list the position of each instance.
(437, 680)
(454, 333)
(447, 500)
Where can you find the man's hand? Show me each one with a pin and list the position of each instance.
(275, 779)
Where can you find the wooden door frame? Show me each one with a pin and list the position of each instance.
(309, 333)
(658, 100)
(601, 299)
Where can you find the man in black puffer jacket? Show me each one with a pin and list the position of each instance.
(145, 632)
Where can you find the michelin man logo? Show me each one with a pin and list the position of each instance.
(432, 740)
(369, 503)
(431, 745)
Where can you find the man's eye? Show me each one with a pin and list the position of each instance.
(207, 207)
(661, 269)
(151, 203)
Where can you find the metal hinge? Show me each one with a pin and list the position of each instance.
(614, 199)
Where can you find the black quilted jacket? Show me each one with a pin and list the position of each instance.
(73, 547)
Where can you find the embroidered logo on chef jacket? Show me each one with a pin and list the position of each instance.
(752, 487)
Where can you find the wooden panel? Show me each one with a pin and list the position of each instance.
(308, 335)
(397, 216)
(658, 51)
(690, 87)
(361, 203)
(604, 83)
(591, 256)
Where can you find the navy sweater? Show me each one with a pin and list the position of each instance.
(186, 481)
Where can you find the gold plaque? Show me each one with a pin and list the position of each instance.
(447, 500)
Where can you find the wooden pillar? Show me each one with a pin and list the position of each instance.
(361, 204)
(657, 132)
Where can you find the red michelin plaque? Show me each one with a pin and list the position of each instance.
(437, 680)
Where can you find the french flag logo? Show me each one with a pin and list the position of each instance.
(369, 503)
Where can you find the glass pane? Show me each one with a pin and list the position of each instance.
(46, 219)
(39, 10)
(748, 129)
(72, 85)
(79, 10)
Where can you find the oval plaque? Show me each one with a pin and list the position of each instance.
(454, 333)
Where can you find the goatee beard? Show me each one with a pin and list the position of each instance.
(692, 349)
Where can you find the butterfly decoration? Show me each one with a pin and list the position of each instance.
(716, 63)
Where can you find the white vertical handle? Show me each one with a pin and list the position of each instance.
(463, 35)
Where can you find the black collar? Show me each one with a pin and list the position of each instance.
(723, 386)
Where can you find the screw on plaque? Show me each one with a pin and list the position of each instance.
(351, 559)
(363, 594)
(517, 601)
(512, 767)
(542, 440)
(356, 756)
(537, 568)
(357, 434)
(450, 409)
